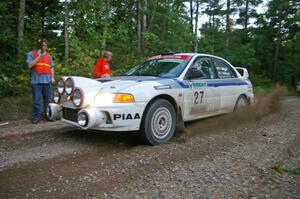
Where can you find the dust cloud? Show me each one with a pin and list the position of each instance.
(263, 106)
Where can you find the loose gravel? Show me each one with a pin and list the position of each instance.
(216, 158)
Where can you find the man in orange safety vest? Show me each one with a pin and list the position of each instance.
(41, 65)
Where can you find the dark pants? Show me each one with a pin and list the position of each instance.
(39, 90)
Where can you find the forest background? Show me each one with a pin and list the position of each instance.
(267, 43)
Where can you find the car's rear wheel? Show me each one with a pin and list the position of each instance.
(241, 103)
(159, 122)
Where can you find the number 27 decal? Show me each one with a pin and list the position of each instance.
(196, 95)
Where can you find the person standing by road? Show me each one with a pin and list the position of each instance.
(102, 67)
(41, 64)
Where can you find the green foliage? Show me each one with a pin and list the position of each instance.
(243, 55)
(81, 61)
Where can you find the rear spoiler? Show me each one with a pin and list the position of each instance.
(243, 72)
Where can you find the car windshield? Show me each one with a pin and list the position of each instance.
(159, 67)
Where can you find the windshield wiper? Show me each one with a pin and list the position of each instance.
(146, 75)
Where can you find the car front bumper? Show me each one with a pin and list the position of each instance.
(118, 117)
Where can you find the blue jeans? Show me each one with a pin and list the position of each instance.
(39, 90)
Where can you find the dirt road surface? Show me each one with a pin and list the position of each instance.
(230, 156)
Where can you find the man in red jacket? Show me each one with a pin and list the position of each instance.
(102, 67)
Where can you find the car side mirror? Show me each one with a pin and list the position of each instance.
(194, 73)
(243, 72)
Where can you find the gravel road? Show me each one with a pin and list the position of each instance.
(230, 156)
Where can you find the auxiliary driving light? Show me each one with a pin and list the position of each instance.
(61, 86)
(69, 85)
(48, 112)
(77, 97)
(56, 96)
(53, 112)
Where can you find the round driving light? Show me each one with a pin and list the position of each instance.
(77, 97)
(61, 86)
(82, 119)
(56, 96)
(69, 86)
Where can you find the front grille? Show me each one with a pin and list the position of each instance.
(70, 114)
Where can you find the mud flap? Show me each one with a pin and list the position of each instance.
(180, 128)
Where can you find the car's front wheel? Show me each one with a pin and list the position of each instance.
(159, 122)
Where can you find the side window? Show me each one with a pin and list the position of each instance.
(204, 64)
(223, 69)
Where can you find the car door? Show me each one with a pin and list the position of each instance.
(200, 99)
(227, 86)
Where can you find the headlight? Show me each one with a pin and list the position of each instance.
(56, 96)
(103, 99)
(69, 85)
(61, 86)
(77, 97)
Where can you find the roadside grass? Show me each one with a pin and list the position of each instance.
(282, 170)
(16, 107)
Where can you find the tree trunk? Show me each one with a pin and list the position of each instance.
(105, 28)
(276, 53)
(21, 23)
(246, 16)
(246, 22)
(196, 28)
(227, 28)
(43, 16)
(144, 27)
(213, 35)
(104, 33)
(139, 26)
(191, 23)
(66, 26)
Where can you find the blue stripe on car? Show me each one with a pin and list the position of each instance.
(210, 82)
(236, 83)
(226, 84)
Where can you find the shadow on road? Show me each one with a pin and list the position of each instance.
(101, 138)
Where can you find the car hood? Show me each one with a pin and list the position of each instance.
(113, 84)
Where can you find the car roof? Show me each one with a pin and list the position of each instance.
(184, 55)
(200, 54)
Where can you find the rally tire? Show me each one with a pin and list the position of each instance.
(241, 103)
(159, 122)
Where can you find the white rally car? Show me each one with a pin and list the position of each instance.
(153, 97)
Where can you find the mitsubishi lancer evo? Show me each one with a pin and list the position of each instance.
(154, 96)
